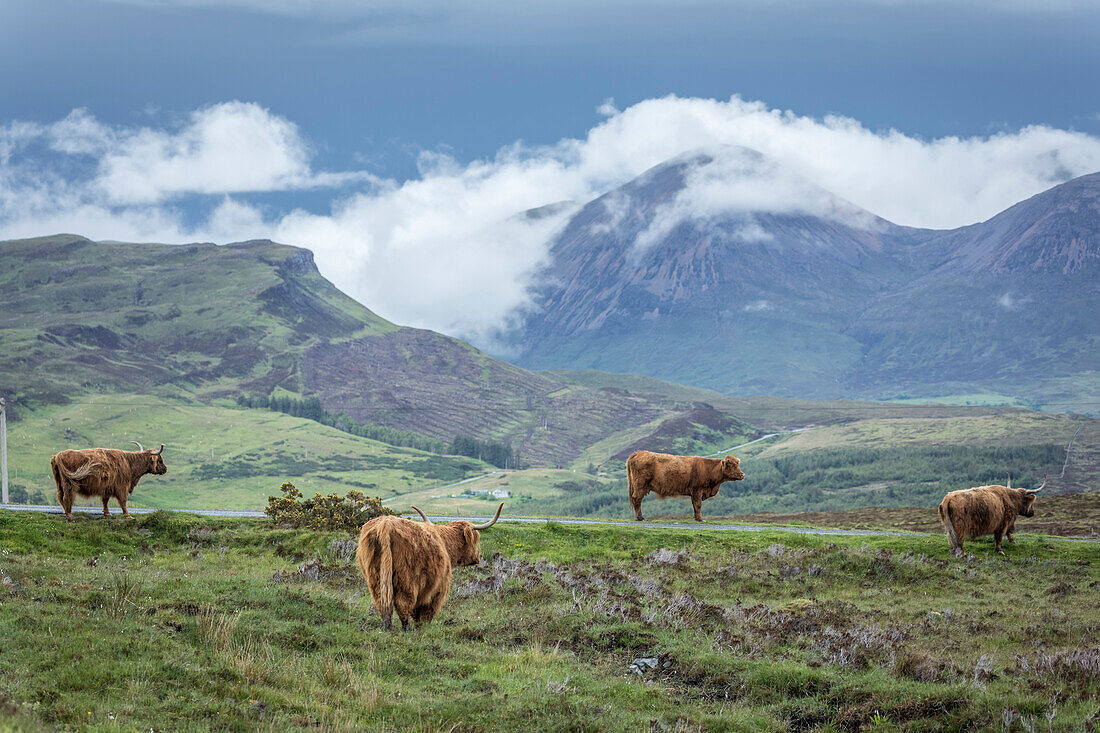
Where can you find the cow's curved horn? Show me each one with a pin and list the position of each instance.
(1009, 484)
(428, 521)
(137, 444)
(1036, 491)
(491, 522)
(160, 451)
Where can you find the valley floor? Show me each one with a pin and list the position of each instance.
(193, 623)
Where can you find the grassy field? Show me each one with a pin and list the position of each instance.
(1019, 428)
(1074, 515)
(186, 623)
(526, 486)
(220, 456)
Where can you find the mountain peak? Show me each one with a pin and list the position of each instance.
(1055, 231)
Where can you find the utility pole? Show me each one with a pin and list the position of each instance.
(3, 453)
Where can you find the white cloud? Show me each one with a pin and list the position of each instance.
(757, 306)
(447, 250)
(736, 181)
(227, 148)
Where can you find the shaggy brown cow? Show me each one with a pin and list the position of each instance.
(408, 564)
(667, 475)
(102, 472)
(985, 510)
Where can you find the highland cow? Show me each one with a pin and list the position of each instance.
(985, 510)
(408, 565)
(104, 472)
(666, 475)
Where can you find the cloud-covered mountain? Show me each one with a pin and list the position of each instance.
(724, 270)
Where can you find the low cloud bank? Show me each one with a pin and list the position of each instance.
(451, 250)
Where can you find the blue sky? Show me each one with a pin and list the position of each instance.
(373, 85)
(391, 137)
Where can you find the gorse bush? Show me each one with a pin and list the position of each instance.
(332, 512)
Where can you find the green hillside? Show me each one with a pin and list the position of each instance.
(81, 316)
(220, 456)
(200, 322)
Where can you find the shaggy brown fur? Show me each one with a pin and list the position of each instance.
(982, 511)
(667, 475)
(103, 472)
(408, 565)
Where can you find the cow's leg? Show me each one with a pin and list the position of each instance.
(121, 503)
(404, 603)
(638, 490)
(106, 512)
(697, 505)
(66, 497)
(997, 542)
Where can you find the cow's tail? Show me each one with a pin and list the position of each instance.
(81, 473)
(376, 550)
(952, 537)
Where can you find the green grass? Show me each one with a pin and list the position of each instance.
(221, 456)
(196, 624)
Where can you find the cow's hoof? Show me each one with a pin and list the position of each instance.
(69, 517)
(639, 519)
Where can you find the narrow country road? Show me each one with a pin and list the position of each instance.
(97, 511)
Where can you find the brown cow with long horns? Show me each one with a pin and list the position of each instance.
(104, 472)
(408, 565)
(985, 510)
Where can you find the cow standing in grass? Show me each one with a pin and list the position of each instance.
(103, 472)
(408, 565)
(985, 510)
(666, 475)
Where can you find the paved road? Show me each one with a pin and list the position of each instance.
(50, 509)
(97, 511)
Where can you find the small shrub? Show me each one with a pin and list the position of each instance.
(331, 513)
(123, 588)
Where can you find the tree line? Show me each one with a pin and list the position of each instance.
(311, 409)
(496, 454)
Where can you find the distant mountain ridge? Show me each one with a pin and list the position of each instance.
(812, 297)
